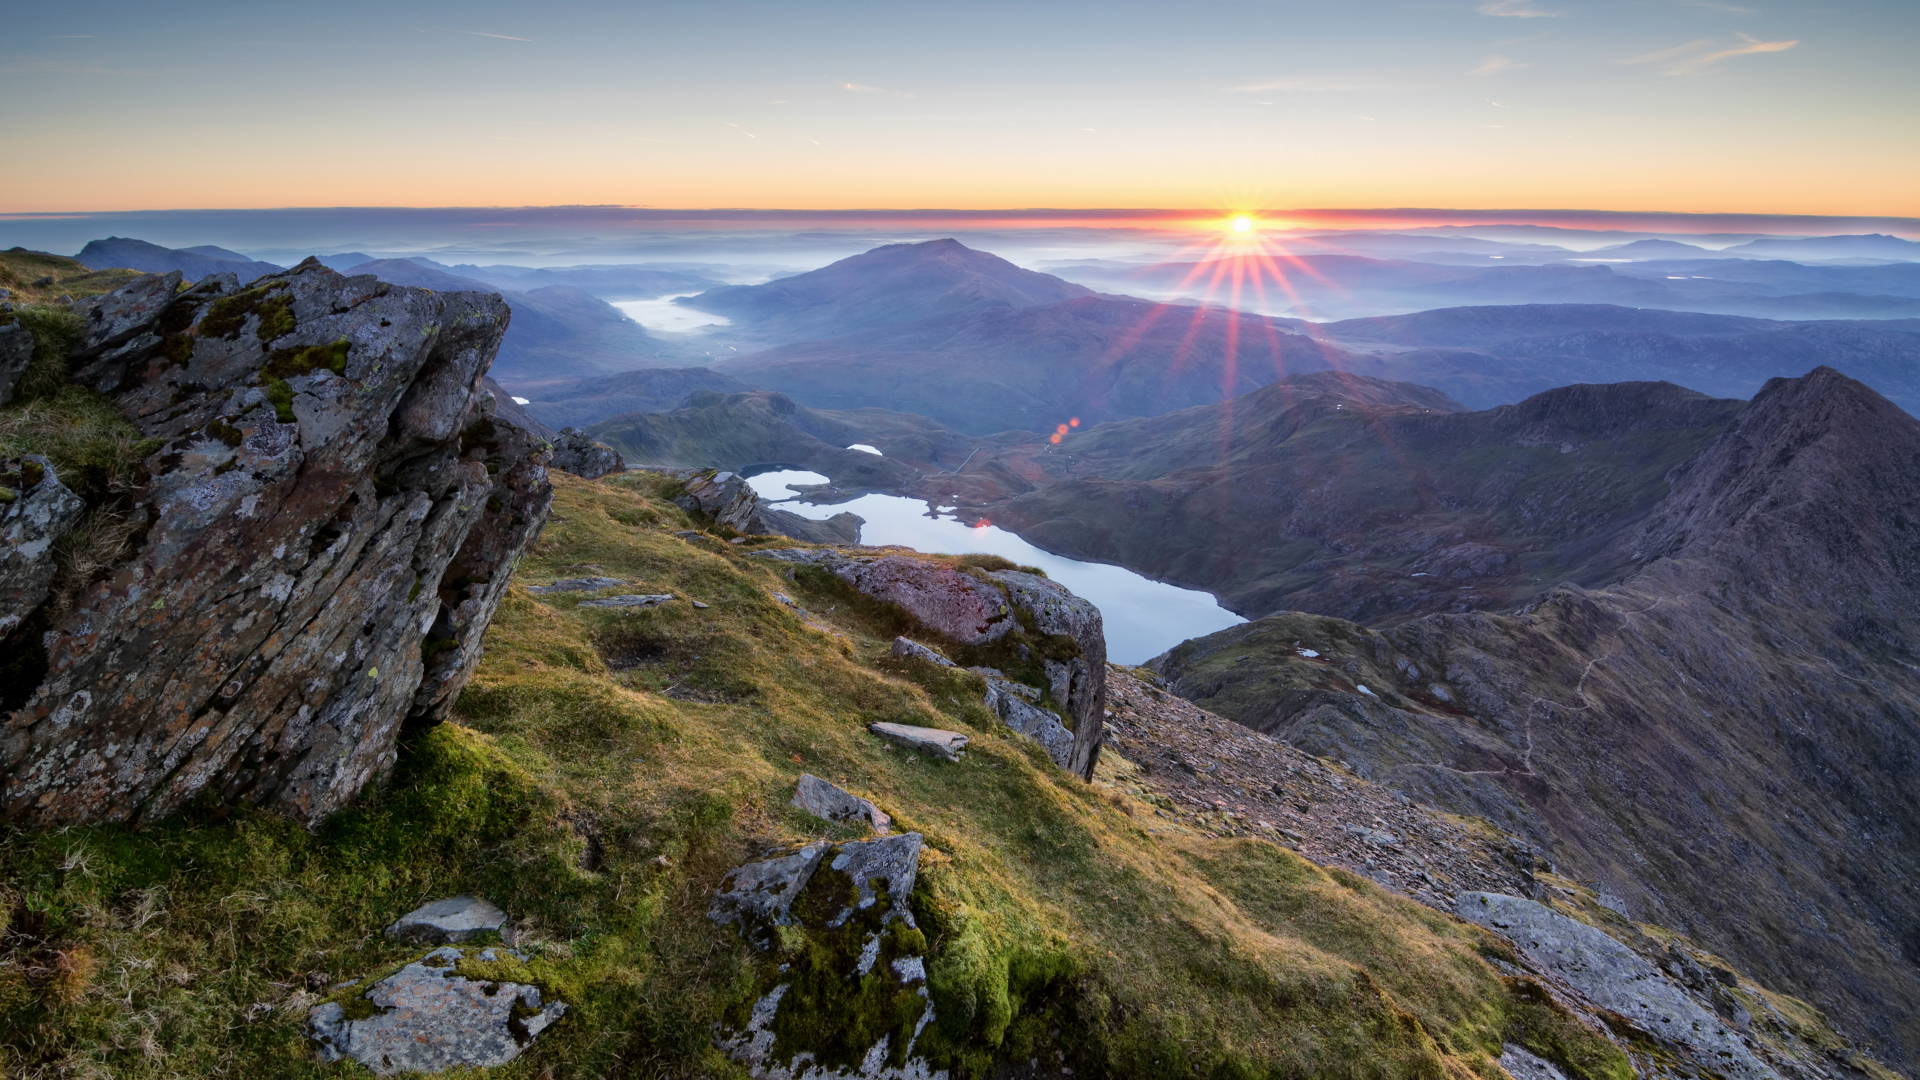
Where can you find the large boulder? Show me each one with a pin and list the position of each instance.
(575, 451)
(1028, 629)
(35, 509)
(328, 526)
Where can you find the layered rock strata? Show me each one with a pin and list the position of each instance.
(327, 526)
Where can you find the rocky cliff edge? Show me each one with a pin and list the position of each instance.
(324, 532)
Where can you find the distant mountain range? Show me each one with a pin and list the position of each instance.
(194, 262)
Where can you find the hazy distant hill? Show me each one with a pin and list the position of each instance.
(1868, 246)
(1093, 358)
(608, 282)
(899, 283)
(1487, 356)
(557, 332)
(195, 263)
(1343, 286)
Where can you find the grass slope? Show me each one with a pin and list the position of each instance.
(606, 769)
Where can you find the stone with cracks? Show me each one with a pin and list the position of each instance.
(1523, 1064)
(431, 1019)
(330, 521)
(35, 509)
(760, 895)
(443, 922)
(726, 498)
(1614, 977)
(1079, 686)
(1036, 723)
(891, 864)
(826, 801)
(575, 451)
(939, 743)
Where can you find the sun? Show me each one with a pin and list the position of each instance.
(1242, 224)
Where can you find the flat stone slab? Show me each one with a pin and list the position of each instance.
(585, 584)
(760, 895)
(1615, 977)
(630, 601)
(910, 648)
(824, 800)
(942, 744)
(441, 922)
(431, 1019)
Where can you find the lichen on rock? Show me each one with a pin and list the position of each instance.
(327, 528)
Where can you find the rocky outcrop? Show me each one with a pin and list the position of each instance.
(1032, 632)
(724, 497)
(35, 509)
(327, 527)
(575, 451)
(428, 1018)
(1612, 976)
(839, 916)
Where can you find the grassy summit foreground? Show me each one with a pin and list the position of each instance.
(607, 768)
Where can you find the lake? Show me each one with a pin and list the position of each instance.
(1143, 617)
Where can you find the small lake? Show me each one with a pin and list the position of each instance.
(1143, 617)
(668, 317)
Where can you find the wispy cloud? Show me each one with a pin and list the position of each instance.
(502, 37)
(1298, 84)
(1716, 5)
(1494, 65)
(1705, 52)
(1518, 9)
(740, 129)
(858, 89)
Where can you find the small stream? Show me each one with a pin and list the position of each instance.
(1143, 617)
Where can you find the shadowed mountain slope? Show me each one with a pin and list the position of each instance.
(590, 401)
(1354, 496)
(1094, 358)
(898, 283)
(1726, 738)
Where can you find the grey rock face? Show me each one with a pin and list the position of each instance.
(952, 602)
(575, 451)
(1031, 720)
(35, 509)
(431, 1019)
(1057, 611)
(909, 648)
(448, 921)
(826, 801)
(759, 896)
(1614, 977)
(16, 353)
(941, 744)
(891, 863)
(1523, 1064)
(331, 521)
(842, 528)
(726, 498)
(570, 585)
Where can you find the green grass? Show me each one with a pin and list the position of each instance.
(607, 768)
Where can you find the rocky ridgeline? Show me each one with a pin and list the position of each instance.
(323, 533)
